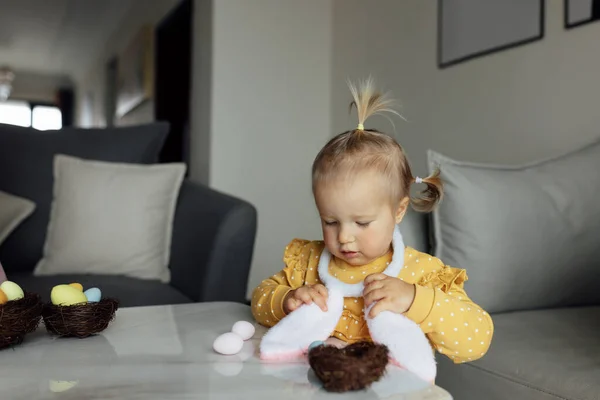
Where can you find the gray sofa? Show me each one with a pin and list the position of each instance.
(528, 237)
(213, 233)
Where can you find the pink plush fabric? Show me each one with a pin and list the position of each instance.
(2, 274)
(288, 356)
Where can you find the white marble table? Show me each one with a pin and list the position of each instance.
(165, 352)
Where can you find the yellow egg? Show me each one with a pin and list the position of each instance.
(61, 386)
(3, 298)
(65, 295)
(12, 290)
(78, 286)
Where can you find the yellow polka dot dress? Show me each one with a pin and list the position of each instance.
(455, 326)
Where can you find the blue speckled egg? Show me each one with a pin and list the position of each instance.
(93, 295)
(316, 344)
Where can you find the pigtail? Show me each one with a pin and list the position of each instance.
(369, 101)
(429, 198)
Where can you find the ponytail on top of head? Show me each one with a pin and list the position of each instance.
(428, 199)
(356, 150)
(369, 101)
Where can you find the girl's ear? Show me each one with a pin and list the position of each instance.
(402, 209)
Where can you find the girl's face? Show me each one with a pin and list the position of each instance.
(357, 218)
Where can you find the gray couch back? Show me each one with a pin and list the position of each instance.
(26, 170)
(415, 231)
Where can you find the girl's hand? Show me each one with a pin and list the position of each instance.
(306, 295)
(391, 294)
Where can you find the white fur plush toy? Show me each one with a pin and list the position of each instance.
(408, 346)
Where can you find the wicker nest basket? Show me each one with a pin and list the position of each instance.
(18, 318)
(353, 367)
(79, 320)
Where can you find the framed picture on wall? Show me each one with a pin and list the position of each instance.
(468, 29)
(581, 12)
(135, 73)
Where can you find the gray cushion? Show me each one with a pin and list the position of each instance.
(26, 157)
(13, 211)
(528, 235)
(546, 354)
(130, 292)
(111, 218)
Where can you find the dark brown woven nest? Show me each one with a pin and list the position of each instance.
(18, 318)
(79, 320)
(354, 367)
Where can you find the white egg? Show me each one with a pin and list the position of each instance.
(228, 343)
(244, 329)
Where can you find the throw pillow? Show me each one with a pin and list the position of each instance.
(528, 235)
(111, 218)
(13, 211)
(26, 157)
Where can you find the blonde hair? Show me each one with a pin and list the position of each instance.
(363, 149)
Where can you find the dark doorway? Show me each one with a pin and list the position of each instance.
(595, 10)
(173, 61)
(110, 105)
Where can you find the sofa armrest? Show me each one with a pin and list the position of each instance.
(212, 244)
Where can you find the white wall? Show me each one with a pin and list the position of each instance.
(94, 82)
(277, 76)
(514, 106)
(270, 114)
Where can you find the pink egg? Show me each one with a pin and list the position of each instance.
(228, 344)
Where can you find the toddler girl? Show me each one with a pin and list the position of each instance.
(361, 182)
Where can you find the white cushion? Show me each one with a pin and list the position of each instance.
(13, 211)
(111, 218)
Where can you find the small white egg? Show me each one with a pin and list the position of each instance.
(228, 343)
(244, 329)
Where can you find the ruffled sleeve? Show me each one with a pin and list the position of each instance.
(300, 258)
(456, 326)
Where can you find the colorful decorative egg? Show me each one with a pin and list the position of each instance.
(61, 386)
(65, 295)
(3, 298)
(77, 286)
(93, 295)
(316, 344)
(12, 290)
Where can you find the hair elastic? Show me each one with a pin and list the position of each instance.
(418, 180)
(360, 127)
